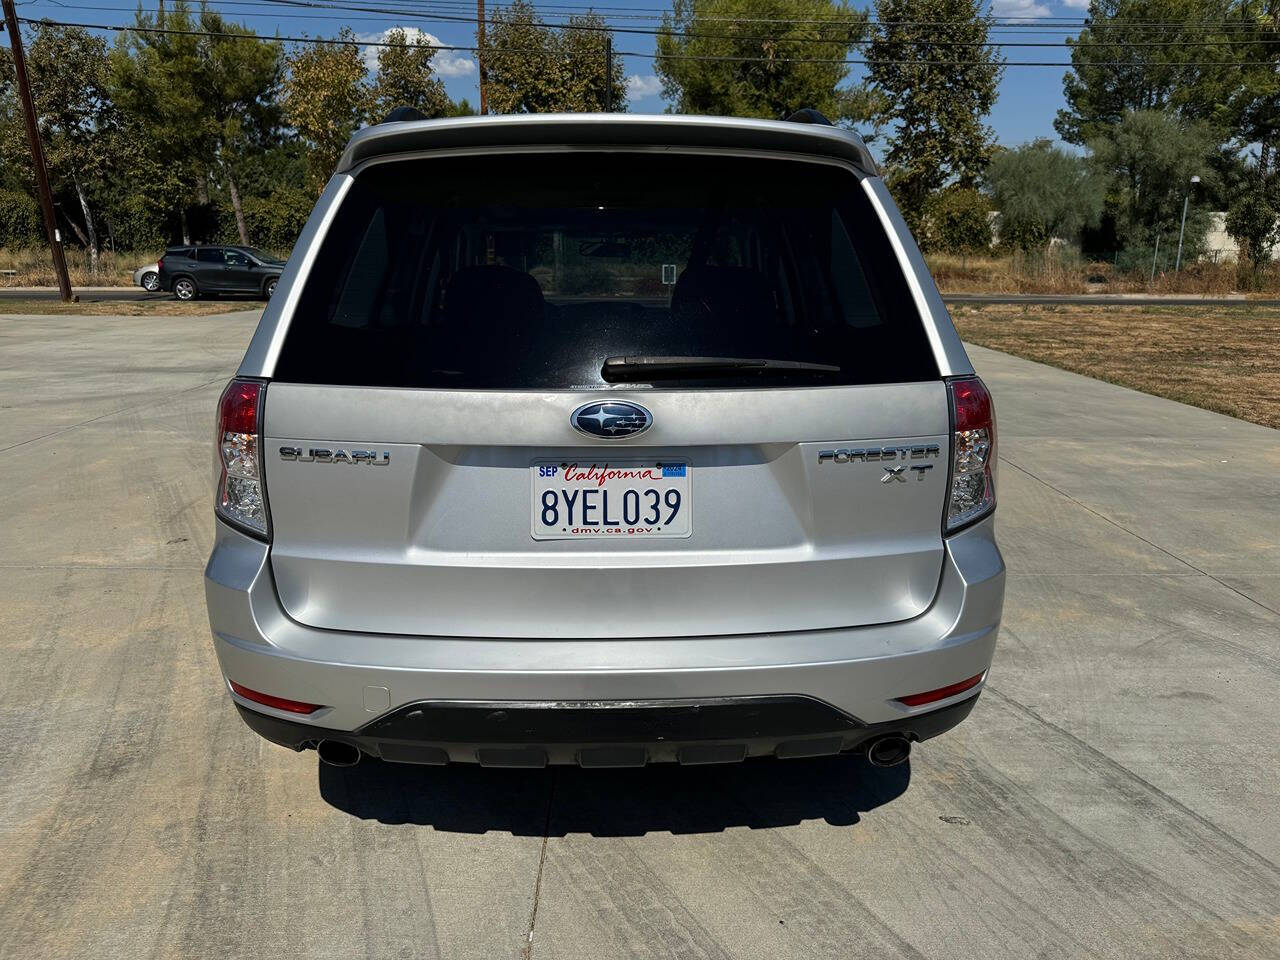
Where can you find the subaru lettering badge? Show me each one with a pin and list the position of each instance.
(611, 419)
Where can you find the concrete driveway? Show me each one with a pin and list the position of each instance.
(1115, 794)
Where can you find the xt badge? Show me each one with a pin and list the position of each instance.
(892, 474)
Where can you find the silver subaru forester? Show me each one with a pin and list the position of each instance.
(605, 440)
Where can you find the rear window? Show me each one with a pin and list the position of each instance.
(530, 271)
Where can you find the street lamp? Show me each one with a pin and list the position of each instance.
(1185, 200)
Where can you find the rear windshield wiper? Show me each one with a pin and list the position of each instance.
(649, 368)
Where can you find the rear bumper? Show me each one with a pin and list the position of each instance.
(629, 734)
(857, 672)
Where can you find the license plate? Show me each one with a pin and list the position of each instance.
(619, 499)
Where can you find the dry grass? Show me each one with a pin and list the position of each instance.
(1225, 359)
(1057, 271)
(981, 274)
(1064, 272)
(88, 307)
(35, 268)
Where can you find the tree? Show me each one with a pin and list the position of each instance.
(1252, 111)
(78, 121)
(586, 71)
(1043, 192)
(1253, 217)
(957, 221)
(533, 68)
(326, 101)
(281, 166)
(763, 43)
(405, 77)
(460, 108)
(1121, 65)
(276, 219)
(20, 224)
(1252, 107)
(13, 175)
(155, 79)
(240, 76)
(1148, 159)
(929, 60)
(201, 101)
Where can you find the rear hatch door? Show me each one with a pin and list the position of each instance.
(454, 448)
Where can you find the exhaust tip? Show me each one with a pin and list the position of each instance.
(337, 753)
(889, 750)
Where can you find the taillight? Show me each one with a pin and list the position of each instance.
(242, 499)
(973, 453)
(160, 264)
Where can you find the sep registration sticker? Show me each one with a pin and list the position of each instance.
(612, 499)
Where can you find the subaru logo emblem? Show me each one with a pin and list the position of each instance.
(611, 419)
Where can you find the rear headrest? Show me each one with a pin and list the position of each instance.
(727, 293)
(493, 294)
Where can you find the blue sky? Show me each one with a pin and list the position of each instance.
(1029, 96)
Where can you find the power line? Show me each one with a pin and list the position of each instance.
(658, 12)
(763, 39)
(491, 51)
(253, 37)
(1030, 23)
(417, 14)
(412, 13)
(449, 9)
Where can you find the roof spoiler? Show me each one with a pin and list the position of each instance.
(803, 115)
(404, 132)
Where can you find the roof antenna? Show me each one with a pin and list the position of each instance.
(402, 114)
(809, 115)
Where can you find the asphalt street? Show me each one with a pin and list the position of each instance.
(138, 295)
(1116, 792)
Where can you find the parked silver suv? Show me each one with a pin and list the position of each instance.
(605, 440)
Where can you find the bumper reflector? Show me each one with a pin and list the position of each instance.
(280, 703)
(932, 696)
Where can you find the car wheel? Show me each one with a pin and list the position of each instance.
(269, 288)
(184, 289)
(151, 281)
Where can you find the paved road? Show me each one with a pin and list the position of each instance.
(1114, 794)
(100, 294)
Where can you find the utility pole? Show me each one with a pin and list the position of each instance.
(37, 151)
(484, 76)
(608, 73)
